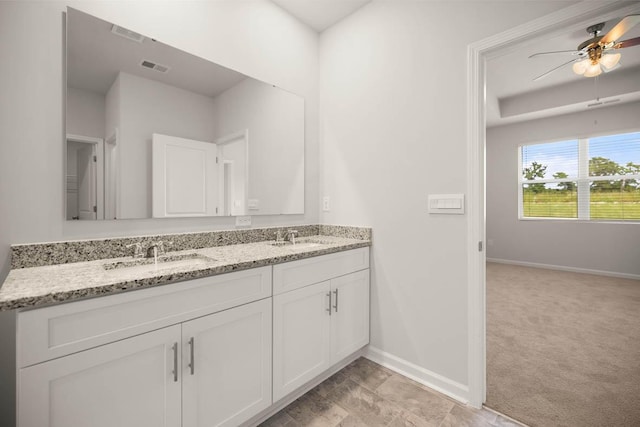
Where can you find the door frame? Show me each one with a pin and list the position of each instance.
(97, 171)
(221, 142)
(572, 18)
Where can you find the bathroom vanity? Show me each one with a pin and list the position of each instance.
(216, 348)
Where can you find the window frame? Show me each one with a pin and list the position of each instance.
(583, 180)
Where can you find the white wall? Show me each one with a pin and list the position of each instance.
(393, 130)
(599, 246)
(254, 37)
(85, 113)
(276, 154)
(149, 107)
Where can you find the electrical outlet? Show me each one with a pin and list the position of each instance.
(326, 204)
(243, 221)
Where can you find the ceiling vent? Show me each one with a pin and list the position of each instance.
(597, 104)
(153, 66)
(127, 34)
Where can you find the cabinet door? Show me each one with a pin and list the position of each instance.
(129, 383)
(350, 318)
(301, 328)
(226, 360)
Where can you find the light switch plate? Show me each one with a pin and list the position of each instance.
(446, 204)
(326, 204)
(243, 221)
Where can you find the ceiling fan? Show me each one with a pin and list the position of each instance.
(597, 54)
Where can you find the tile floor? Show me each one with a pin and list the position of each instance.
(365, 394)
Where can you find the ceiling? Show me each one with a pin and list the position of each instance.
(320, 14)
(95, 56)
(513, 96)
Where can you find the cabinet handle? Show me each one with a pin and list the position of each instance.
(175, 362)
(192, 345)
(329, 309)
(335, 307)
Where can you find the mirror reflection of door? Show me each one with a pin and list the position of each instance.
(84, 171)
(233, 154)
(185, 177)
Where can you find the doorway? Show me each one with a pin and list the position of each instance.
(572, 17)
(84, 178)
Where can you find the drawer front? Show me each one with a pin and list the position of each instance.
(297, 274)
(51, 332)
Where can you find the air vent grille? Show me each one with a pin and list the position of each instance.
(127, 34)
(153, 66)
(597, 104)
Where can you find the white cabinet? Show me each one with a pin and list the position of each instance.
(129, 383)
(208, 352)
(227, 359)
(301, 337)
(210, 367)
(350, 317)
(316, 326)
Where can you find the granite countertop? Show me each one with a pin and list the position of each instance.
(52, 284)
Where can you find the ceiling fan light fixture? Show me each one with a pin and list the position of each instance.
(593, 70)
(610, 60)
(581, 67)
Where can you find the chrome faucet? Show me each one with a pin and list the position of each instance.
(157, 248)
(291, 236)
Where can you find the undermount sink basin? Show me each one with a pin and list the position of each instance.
(302, 243)
(164, 262)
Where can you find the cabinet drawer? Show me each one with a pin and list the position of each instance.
(51, 332)
(296, 274)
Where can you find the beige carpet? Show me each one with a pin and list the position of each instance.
(563, 349)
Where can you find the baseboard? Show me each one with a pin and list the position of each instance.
(565, 268)
(453, 389)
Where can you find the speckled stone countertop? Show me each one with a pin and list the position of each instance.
(51, 284)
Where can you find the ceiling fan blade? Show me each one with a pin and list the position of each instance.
(573, 52)
(556, 68)
(627, 43)
(622, 27)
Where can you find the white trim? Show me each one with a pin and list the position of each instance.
(565, 268)
(444, 385)
(244, 135)
(574, 17)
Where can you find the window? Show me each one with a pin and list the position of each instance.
(586, 179)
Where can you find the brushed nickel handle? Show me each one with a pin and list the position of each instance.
(192, 345)
(175, 362)
(329, 309)
(335, 307)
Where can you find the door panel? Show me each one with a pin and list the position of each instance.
(184, 177)
(231, 376)
(129, 383)
(301, 327)
(350, 319)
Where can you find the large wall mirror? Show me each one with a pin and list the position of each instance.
(155, 132)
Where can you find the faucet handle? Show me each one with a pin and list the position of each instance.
(137, 252)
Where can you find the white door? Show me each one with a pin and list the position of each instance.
(185, 181)
(85, 177)
(350, 318)
(234, 173)
(129, 383)
(301, 328)
(86, 182)
(227, 366)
